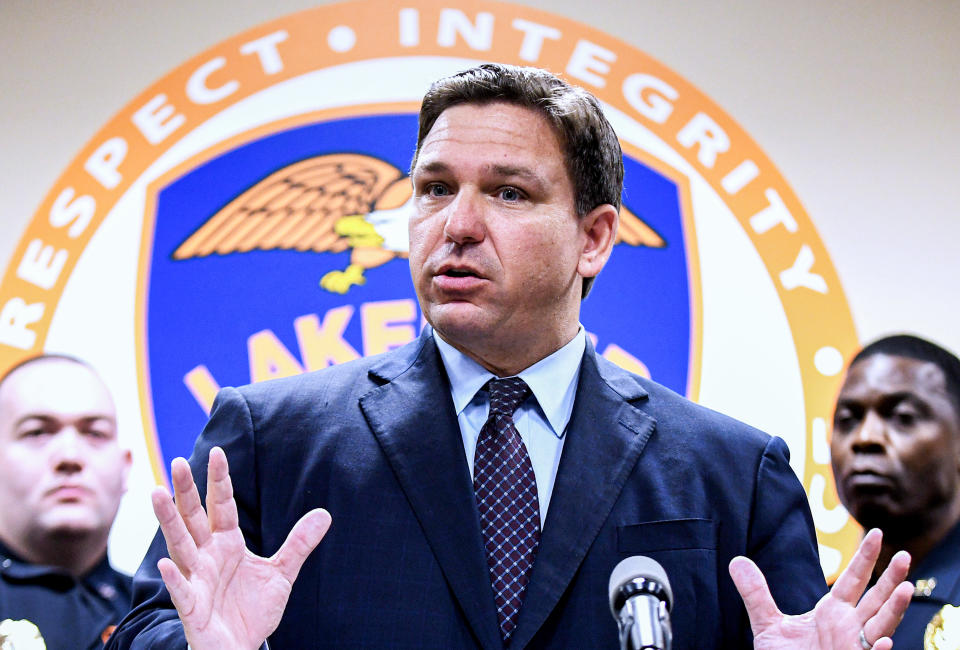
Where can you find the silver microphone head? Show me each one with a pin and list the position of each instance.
(638, 573)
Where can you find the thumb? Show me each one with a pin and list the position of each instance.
(301, 541)
(751, 584)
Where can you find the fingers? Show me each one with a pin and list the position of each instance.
(851, 583)
(883, 605)
(878, 594)
(886, 643)
(753, 589)
(221, 507)
(180, 544)
(177, 586)
(188, 501)
(888, 617)
(301, 541)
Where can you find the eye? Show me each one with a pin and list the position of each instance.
(35, 428)
(436, 189)
(908, 414)
(905, 418)
(510, 194)
(98, 428)
(845, 420)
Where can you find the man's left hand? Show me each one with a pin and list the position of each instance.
(839, 618)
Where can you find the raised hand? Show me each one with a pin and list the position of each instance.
(837, 620)
(226, 596)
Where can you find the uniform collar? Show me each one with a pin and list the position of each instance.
(14, 567)
(100, 578)
(942, 565)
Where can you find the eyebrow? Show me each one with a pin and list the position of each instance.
(501, 171)
(525, 173)
(909, 397)
(433, 167)
(43, 417)
(888, 401)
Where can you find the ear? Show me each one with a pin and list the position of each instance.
(600, 229)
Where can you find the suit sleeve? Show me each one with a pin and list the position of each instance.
(782, 539)
(153, 621)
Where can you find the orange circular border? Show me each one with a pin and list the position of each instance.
(477, 30)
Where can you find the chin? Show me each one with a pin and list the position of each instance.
(458, 322)
(873, 516)
(895, 524)
(71, 525)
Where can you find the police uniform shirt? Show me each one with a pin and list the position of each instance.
(937, 583)
(70, 613)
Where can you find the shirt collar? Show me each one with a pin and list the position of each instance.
(552, 380)
(11, 565)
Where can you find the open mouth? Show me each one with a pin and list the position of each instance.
(459, 273)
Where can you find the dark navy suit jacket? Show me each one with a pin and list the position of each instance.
(376, 442)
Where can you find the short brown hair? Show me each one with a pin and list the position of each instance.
(590, 147)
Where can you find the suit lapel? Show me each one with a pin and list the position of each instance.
(412, 416)
(604, 440)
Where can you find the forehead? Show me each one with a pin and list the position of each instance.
(517, 131)
(54, 387)
(886, 374)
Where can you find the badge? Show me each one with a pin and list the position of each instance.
(924, 588)
(943, 630)
(20, 635)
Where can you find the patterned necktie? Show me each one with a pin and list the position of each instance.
(506, 492)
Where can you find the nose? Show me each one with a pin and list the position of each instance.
(871, 437)
(465, 218)
(67, 454)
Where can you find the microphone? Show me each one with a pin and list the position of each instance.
(641, 600)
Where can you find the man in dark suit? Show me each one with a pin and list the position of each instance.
(896, 457)
(486, 478)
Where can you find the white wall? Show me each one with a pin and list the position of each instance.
(856, 102)
(853, 101)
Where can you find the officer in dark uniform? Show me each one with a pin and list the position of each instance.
(62, 474)
(71, 612)
(896, 459)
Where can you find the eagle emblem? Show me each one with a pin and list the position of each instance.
(330, 203)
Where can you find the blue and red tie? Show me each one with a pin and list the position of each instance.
(506, 491)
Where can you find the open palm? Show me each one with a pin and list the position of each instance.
(836, 621)
(226, 596)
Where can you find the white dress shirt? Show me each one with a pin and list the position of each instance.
(541, 422)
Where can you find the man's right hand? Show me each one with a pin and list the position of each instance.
(226, 596)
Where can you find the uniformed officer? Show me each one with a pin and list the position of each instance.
(62, 474)
(896, 460)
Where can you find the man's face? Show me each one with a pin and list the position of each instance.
(895, 443)
(495, 242)
(62, 471)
